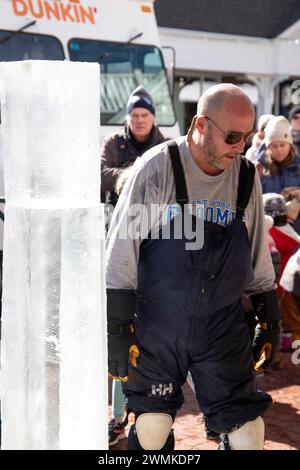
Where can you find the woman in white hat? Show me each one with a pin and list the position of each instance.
(279, 166)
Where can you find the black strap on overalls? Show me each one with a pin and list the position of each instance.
(180, 184)
(246, 180)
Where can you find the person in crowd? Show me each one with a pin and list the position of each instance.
(121, 148)
(275, 254)
(174, 301)
(286, 239)
(290, 303)
(294, 118)
(258, 138)
(279, 165)
(292, 198)
(119, 151)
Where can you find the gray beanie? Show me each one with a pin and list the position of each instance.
(140, 98)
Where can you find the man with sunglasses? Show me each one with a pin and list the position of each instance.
(173, 307)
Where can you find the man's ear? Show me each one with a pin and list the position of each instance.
(200, 124)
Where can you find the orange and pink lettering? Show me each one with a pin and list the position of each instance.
(65, 10)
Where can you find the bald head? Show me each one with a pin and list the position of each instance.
(217, 135)
(224, 97)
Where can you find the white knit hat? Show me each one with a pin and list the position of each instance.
(278, 128)
(263, 121)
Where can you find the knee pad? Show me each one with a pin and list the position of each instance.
(250, 436)
(152, 431)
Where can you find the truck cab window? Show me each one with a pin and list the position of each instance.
(123, 68)
(23, 46)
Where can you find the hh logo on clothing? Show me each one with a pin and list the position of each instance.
(162, 389)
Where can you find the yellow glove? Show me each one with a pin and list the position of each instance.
(265, 354)
(133, 354)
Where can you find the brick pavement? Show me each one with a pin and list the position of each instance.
(282, 419)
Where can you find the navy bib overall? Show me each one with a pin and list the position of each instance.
(189, 317)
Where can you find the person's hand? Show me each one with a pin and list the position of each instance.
(122, 349)
(264, 345)
(293, 208)
(122, 341)
(267, 332)
(291, 192)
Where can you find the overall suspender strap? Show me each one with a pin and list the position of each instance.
(246, 181)
(180, 184)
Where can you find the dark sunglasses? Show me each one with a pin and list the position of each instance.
(231, 138)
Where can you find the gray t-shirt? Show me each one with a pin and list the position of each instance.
(152, 182)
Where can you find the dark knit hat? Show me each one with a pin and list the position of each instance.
(140, 98)
(295, 110)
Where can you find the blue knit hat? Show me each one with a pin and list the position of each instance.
(140, 98)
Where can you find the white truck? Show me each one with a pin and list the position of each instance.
(121, 35)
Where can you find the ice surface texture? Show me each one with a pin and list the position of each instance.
(51, 124)
(53, 377)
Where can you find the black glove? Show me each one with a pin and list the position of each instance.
(122, 348)
(264, 345)
(122, 341)
(267, 332)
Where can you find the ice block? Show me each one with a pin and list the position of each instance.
(53, 348)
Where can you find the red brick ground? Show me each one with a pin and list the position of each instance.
(282, 419)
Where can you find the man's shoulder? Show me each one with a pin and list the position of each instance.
(153, 156)
(159, 154)
(155, 162)
(115, 136)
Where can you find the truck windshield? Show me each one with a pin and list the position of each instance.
(23, 46)
(123, 68)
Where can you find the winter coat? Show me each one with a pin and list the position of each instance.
(283, 178)
(118, 151)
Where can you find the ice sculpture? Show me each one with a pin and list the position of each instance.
(53, 371)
